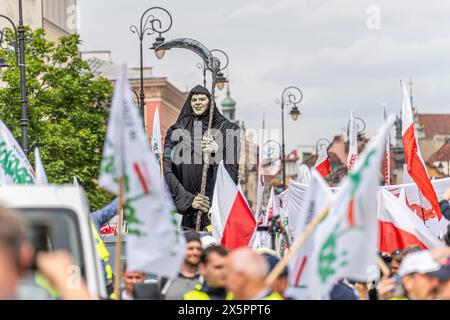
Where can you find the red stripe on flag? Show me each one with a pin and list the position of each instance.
(324, 168)
(144, 183)
(350, 214)
(417, 171)
(240, 225)
(300, 271)
(392, 238)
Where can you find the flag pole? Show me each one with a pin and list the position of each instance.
(118, 250)
(279, 267)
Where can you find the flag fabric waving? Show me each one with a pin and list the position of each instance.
(14, 165)
(352, 144)
(400, 227)
(416, 166)
(154, 244)
(322, 164)
(387, 152)
(317, 196)
(346, 242)
(41, 176)
(231, 218)
(156, 138)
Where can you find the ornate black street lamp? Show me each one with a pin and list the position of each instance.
(290, 96)
(149, 25)
(19, 49)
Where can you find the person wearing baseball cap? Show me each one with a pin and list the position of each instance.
(417, 273)
(443, 276)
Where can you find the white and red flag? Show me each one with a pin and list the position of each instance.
(352, 144)
(400, 227)
(387, 152)
(231, 217)
(416, 166)
(322, 164)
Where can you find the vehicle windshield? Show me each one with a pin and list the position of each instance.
(53, 229)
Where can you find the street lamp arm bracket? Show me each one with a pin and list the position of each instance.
(211, 63)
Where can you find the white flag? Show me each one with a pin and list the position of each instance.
(261, 183)
(352, 144)
(156, 137)
(154, 244)
(14, 165)
(75, 182)
(346, 242)
(317, 196)
(41, 176)
(387, 152)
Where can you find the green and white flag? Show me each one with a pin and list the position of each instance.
(153, 242)
(14, 165)
(41, 176)
(156, 137)
(346, 241)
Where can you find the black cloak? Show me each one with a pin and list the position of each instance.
(184, 179)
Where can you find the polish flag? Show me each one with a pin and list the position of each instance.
(400, 227)
(231, 217)
(416, 166)
(322, 164)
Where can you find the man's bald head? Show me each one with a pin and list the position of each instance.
(246, 271)
(248, 262)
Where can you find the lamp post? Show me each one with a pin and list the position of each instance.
(19, 48)
(211, 64)
(148, 25)
(360, 126)
(290, 96)
(202, 66)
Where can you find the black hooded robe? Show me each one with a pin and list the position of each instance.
(184, 179)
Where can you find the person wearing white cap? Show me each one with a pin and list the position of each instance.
(417, 278)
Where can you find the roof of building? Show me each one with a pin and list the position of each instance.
(434, 124)
(110, 70)
(443, 154)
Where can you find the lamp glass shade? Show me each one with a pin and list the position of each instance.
(294, 113)
(160, 53)
(220, 85)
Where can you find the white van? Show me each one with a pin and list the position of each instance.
(61, 213)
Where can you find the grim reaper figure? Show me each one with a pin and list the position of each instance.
(186, 145)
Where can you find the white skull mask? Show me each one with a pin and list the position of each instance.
(199, 103)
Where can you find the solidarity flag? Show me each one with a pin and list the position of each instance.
(317, 196)
(322, 164)
(416, 166)
(14, 165)
(399, 227)
(41, 176)
(346, 241)
(154, 244)
(231, 217)
(352, 144)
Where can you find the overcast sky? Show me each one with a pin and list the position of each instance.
(344, 55)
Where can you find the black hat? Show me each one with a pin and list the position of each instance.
(273, 261)
(443, 273)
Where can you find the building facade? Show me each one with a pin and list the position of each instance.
(57, 17)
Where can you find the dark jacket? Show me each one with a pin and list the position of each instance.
(183, 160)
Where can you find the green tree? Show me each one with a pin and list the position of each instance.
(67, 110)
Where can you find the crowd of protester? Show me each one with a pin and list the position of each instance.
(211, 272)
